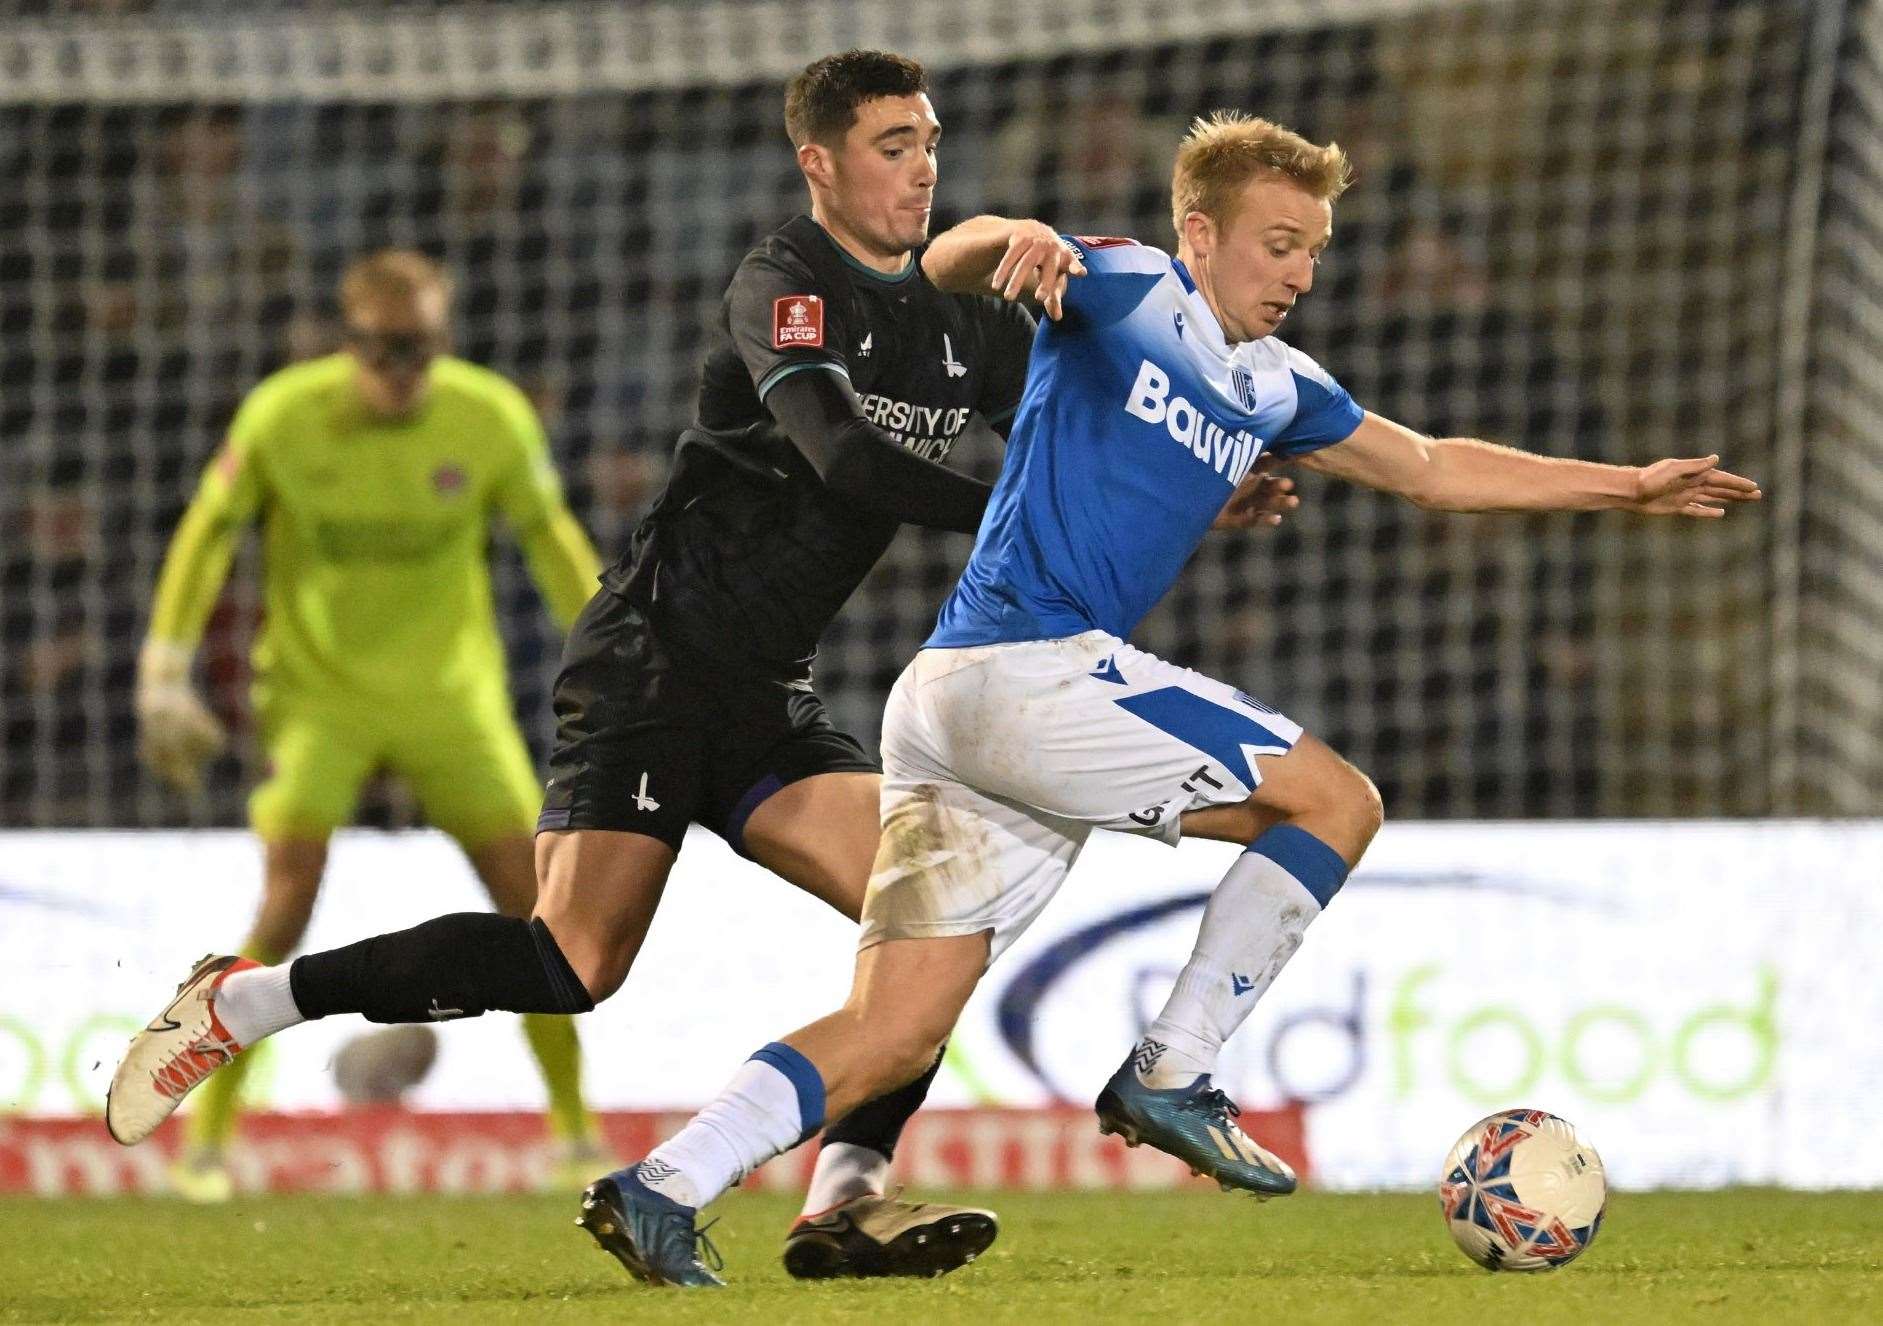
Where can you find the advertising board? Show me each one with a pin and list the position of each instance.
(1698, 998)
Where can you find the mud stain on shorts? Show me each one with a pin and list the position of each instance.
(934, 865)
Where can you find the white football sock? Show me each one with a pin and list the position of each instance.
(255, 1003)
(1254, 922)
(774, 1102)
(845, 1171)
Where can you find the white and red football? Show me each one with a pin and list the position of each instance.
(1521, 1192)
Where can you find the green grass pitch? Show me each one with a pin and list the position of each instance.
(1740, 1256)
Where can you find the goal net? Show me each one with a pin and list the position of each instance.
(1612, 229)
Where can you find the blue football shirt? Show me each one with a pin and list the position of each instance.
(1137, 421)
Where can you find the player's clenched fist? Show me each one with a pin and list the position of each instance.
(175, 730)
(1036, 266)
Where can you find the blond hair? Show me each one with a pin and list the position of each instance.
(391, 276)
(1225, 150)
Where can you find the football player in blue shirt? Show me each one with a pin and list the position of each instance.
(1028, 720)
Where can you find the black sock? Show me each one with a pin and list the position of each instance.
(877, 1124)
(455, 966)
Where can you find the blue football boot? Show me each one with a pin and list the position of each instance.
(652, 1235)
(1196, 1124)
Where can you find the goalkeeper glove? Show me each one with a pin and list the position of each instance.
(176, 731)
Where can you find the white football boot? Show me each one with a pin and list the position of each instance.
(172, 1056)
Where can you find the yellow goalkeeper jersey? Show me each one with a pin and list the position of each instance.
(375, 536)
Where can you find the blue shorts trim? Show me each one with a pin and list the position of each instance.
(755, 796)
(1231, 738)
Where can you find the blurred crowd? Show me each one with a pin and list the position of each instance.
(1494, 272)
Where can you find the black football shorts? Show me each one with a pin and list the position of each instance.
(648, 742)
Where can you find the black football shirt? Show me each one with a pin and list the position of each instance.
(747, 556)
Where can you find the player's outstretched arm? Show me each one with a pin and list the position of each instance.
(1464, 474)
(1014, 259)
(822, 416)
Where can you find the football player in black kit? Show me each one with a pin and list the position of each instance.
(836, 382)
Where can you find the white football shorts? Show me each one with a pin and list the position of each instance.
(999, 761)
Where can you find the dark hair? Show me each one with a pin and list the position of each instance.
(821, 102)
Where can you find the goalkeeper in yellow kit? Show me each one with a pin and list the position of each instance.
(376, 474)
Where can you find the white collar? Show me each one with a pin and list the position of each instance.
(1201, 317)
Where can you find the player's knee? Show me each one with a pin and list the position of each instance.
(600, 981)
(595, 961)
(1363, 801)
(1344, 808)
(601, 969)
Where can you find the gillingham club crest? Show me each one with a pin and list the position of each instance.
(1244, 383)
